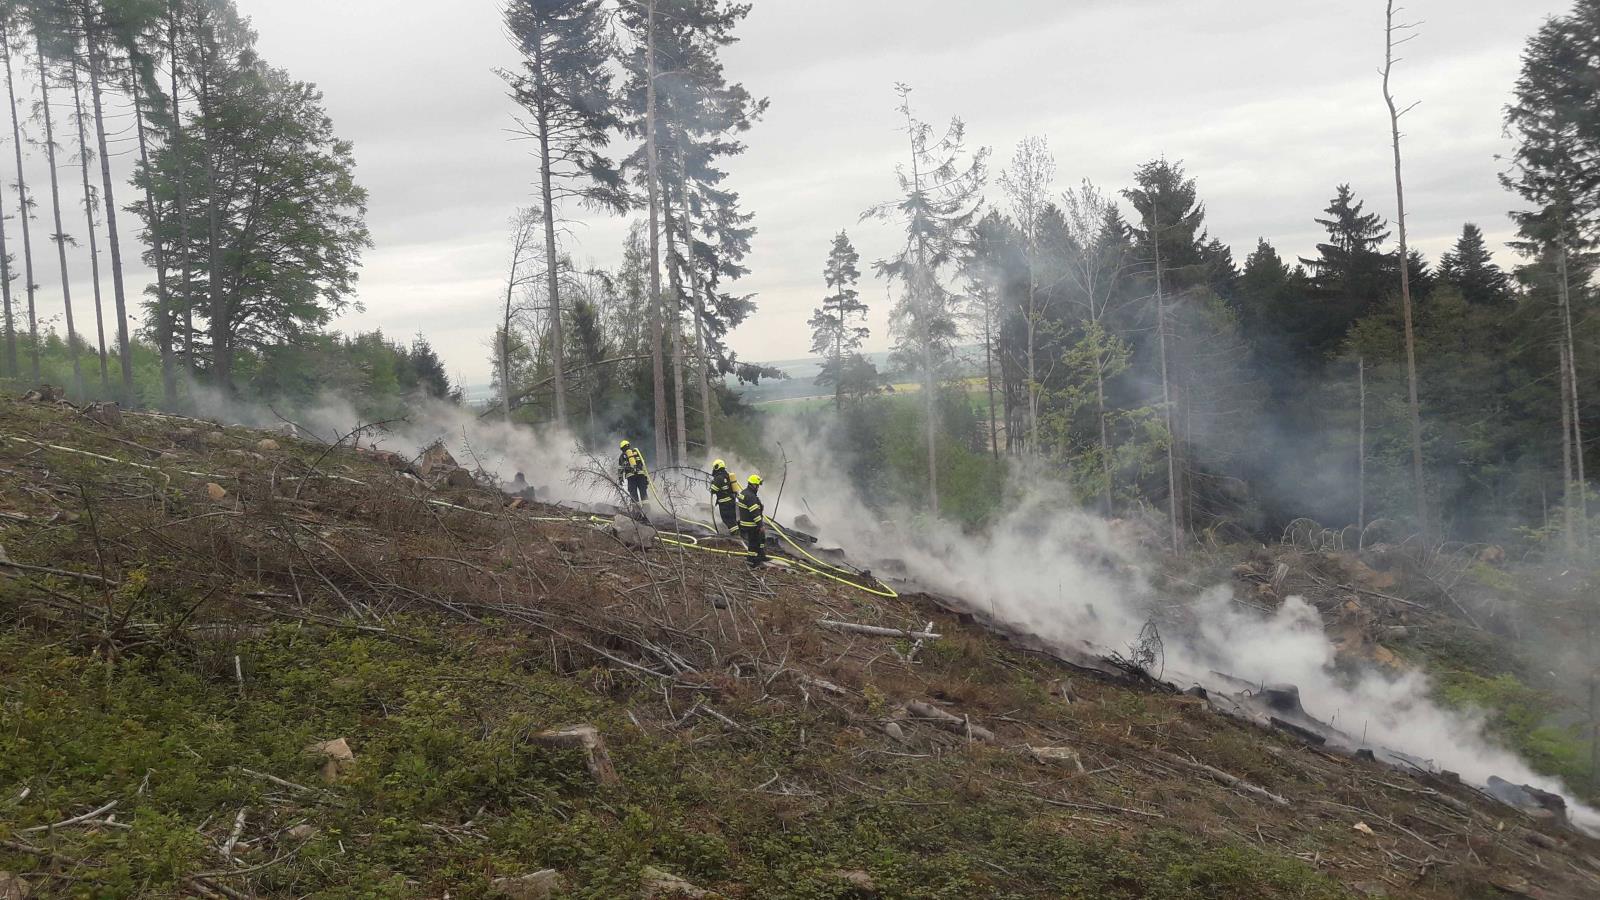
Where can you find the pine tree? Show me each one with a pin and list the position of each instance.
(97, 44)
(687, 115)
(48, 30)
(940, 186)
(833, 336)
(1170, 246)
(89, 198)
(8, 16)
(1557, 130)
(565, 87)
(1350, 275)
(1469, 267)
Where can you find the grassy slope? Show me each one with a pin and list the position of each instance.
(129, 693)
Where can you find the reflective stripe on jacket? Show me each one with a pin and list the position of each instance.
(724, 486)
(752, 514)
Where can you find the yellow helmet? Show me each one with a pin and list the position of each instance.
(624, 445)
(755, 481)
(719, 464)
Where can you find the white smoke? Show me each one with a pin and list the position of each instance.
(1069, 577)
(1046, 568)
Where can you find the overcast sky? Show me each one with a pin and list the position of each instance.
(1269, 104)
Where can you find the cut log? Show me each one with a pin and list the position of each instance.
(586, 738)
(877, 631)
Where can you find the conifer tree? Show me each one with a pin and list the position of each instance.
(564, 86)
(834, 334)
(940, 192)
(1469, 267)
(10, 12)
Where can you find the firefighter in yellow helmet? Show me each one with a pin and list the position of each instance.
(753, 521)
(725, 494)
(632, 474)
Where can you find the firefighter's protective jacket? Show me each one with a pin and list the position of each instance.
(724, 487)
(630, 463)
(752, 514)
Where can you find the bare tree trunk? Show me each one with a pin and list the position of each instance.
(1166, 384)
(701, 344)
(1569, 505)
(988, 376)
(1577, 416)
(94, 242)
(113, 236)
(181, 187)
(680, 428)
(24, 206)
(169, 385)
(60, 236)
(11, 365)
(221, 315)
(1361, 454)
(1418, 484)
(1108, 488)
(505, 338)
(653, 178)
(1033, 345)
(552, 263)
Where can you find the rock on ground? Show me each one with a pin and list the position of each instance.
(542, 885)
(858, 880)
(338, 758)
(655, 884)
(633, 534)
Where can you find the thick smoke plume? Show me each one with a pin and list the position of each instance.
(1046, 568)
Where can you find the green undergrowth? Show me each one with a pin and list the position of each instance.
(448, 792)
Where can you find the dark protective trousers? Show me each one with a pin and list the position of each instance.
(639, 488)
(729, 509)
(755, 540)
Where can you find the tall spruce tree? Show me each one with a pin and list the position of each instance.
(1168, 247)
(940, 194)
(1350, 274)
(10, 18)
(564, 85)
(686, 115)
(1469, 267)
(835, 333)
(1554, 121)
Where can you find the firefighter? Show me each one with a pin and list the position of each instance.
(725, 493)
(632, 474)
(753, 521)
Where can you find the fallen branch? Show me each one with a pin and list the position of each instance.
(1232, 781)
(60, 573)
(277, 781)
(877, 631)
(238, 829)
(72, 821)
(960, 724)
(41, 852)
